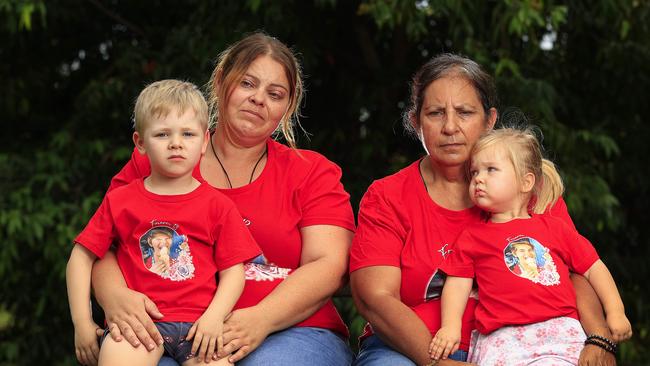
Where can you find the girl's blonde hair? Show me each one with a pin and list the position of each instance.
(232, 65)
(524, 151)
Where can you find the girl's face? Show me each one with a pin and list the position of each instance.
(257, 103)
(452, 119)
(494, 185)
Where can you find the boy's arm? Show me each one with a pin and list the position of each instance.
(455, 293)
(78, 273)
(601, 280)
(207, 330)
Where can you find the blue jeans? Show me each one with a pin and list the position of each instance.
(295, 346)
(374, 352)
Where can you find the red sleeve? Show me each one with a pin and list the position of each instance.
(136, 168)
(234, 242)
(99, 233)
(380, 237)
(577, 252)
(323, 199)
(560, 211)
(460, 263)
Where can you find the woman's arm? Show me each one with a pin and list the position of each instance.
(593, 321)
(321, 272)
(127, 312)
(376, 291)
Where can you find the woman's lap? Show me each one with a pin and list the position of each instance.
(374, 352)
(296, 346)
(301, 346)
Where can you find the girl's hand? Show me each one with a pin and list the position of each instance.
(619, 326)
(208, 337)
(86, 346)
(446, 342)
(244, 331)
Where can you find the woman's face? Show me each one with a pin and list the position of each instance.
(452, 119)
(257, 103)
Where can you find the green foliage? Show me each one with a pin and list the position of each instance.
(19, 14)
(48, 201)
(580, 70)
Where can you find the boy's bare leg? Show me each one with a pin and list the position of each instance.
(123, 353)
(220, 362)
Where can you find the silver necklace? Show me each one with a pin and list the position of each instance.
(224, 169)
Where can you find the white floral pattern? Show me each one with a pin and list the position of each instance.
(182, 268)
(265, 272)
(557, 341)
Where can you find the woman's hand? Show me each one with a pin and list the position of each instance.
(244, 330)
(128, 314)
(595, 356)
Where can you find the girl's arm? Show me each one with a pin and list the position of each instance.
(593, 321)
(322, 270)
(207, 330)
(455, 293)
(603, 283)
(127, 312)
(78, 282)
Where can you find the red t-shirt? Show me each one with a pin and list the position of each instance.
(170, 247)
(400, 226)
(522, 269)
(297, 188)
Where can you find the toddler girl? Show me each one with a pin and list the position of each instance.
(521, 261)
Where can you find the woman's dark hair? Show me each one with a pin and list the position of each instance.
(442, 65)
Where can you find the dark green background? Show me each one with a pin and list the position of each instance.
(70, 70)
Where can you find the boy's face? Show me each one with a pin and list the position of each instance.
(524, 252)
(174, 144)
(160, 240)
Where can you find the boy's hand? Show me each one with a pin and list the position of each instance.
(446, 341)
(208, 337)
(619, 326)
(85, 343)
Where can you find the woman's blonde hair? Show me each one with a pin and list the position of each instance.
(159, 98)
(524, 151)
(232, 65)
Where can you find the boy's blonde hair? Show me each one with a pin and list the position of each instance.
(524, 151)
(159, 98)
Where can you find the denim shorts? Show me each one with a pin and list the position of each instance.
(177, 349)
(174, 334)
(295, 346)
(374, 352)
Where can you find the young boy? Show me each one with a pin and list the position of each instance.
(172, 232)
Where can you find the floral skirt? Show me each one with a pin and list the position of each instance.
(557, 341)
